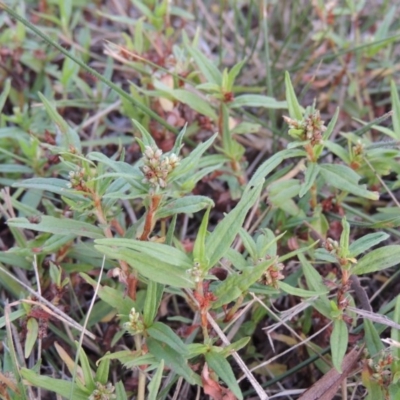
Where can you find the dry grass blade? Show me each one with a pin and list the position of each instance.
(257, 387)
(328, 385)
(380, 319)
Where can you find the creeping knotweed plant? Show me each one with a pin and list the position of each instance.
(157, 167)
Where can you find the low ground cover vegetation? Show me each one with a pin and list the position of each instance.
(199, 199)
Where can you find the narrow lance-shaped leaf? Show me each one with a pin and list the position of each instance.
(378, 260)
(86, 370)
(344, 238)
(4, 93)
(58, 226)
(339, 340)
(309, 178)
(257, 100)
(199, 249)
(194, 101)
(155, 382)
(154, 294)
(158, 262)
(396, 109)
(331, 125)
(372, 339)
(68, 137)
(235, 285)
(395, 335)
(219, 241)
(366, 242)
(172, 358)
(147, 139)
(298, 291)
(344, 178)
(191, 162)
(165, 334)
(103, 370)
(59, 386)
(31, 335)
(208, 69)
(184, 205)
(222, 368)
(291, 98)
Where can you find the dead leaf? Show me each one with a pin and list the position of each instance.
(213, 388)
(327, 387)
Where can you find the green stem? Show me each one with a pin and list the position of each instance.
(141, 394)
(100, 77)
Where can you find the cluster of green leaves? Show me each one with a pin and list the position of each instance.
(79, 202)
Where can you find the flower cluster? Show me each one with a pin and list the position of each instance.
(310, 128)
(273, 274)
(156, 168)
(196, 273)
(135, 324)
(103, 392)
(77, 180)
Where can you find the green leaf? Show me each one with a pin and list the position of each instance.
(191, 162)
(222, 368)
(4, 93)
(313, 278)
(86, 370)
(236, 284)
(366, 242)
(396, 109)
(372, 339)
(309, 178)
(32, 327)
(173, 359)
(146, 139)
(158, 262)
(395, 335)
(154, 294)
(59, 386)
(280, 192)
(298, 291)
(120, 391)
(155, 382)
(103, 370)
(58, 226)
(53, 185)
(265, 168)
(199, 248)
(184, 205)
(248, 243)
(378, 260)
(344, 238)
(208, 69)
(113, 297)
(339, 340)
(69, 138)
(12, 317)
(158, 251)
(233, 73)
(219, 241)
(344, 178)
(295, 110)
(194, 101)
(245, 127)
(331, 125)
(165, 334)
(256, 100)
